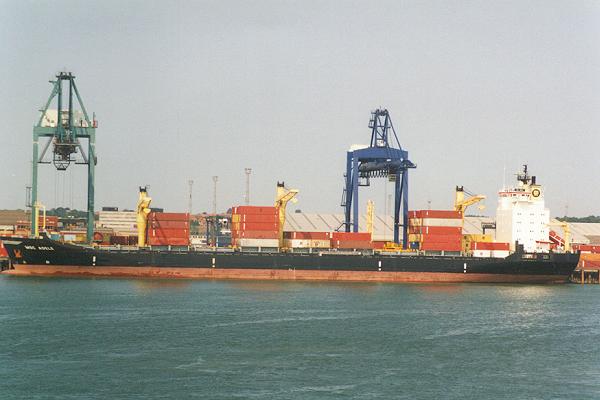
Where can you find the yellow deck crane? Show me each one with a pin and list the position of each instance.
(370, 217)
(566, 233)
(143, 209)
(283, 197)
(461, 204)
(36, 214)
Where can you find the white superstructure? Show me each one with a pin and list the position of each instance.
(522, 215)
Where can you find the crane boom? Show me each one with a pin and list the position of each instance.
(461, 204)
(283, 197)
(143, 209)
(567, 233)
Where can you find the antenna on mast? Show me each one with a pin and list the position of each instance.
(247, 171)
(215, 180)
(191, 185)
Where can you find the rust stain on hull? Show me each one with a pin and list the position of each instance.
(277, 274)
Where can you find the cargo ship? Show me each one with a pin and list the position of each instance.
(262, 250)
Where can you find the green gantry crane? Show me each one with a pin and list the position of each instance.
(64, 128)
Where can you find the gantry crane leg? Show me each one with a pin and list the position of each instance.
(383, 158)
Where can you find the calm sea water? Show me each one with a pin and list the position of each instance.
(149, 339)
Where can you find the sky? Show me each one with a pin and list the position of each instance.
(188, 90)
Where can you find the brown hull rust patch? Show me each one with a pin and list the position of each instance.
(278, 274)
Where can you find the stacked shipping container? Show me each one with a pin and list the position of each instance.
(102, 236)
(51, 223)
(168, 229)
(351, 240)
(121, 222)
(73, 236)
(435, 230)
(325, 240)
(587, 248)
(307, 240)
(255, 226)
(474, 237)
(490, 249)
(123, 240)
(258, 227)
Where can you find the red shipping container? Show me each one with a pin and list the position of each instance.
(257, 234)
(167, 238)
(436, 246)
(351, 244)
(436, 230)
(434, 239)
(379, 245)
(443, 214)
(156, 216)
(441, 238)
(489, 246)
(168, 242)
(119, 239)
(258, 226)
(258, 218)
(307, 235)
(255, 210)
(354, 236)
(168, 233)
(170, 230)
(50, 220)
(255, 226)
(587, 248)
(169, 224)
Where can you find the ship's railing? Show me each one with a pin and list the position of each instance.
(274, 250)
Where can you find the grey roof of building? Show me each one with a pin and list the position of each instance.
(383, 226)
(581, 232)
(11, 217)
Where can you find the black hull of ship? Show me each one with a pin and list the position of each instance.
(47, 257)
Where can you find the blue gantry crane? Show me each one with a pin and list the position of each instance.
(383, 158)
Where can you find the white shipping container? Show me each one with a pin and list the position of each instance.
(482, 253)
(121, 222)
(258, 242)
(306, 243)
(321, 244)
(294, 235)
(500, 253)
(297, 243)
